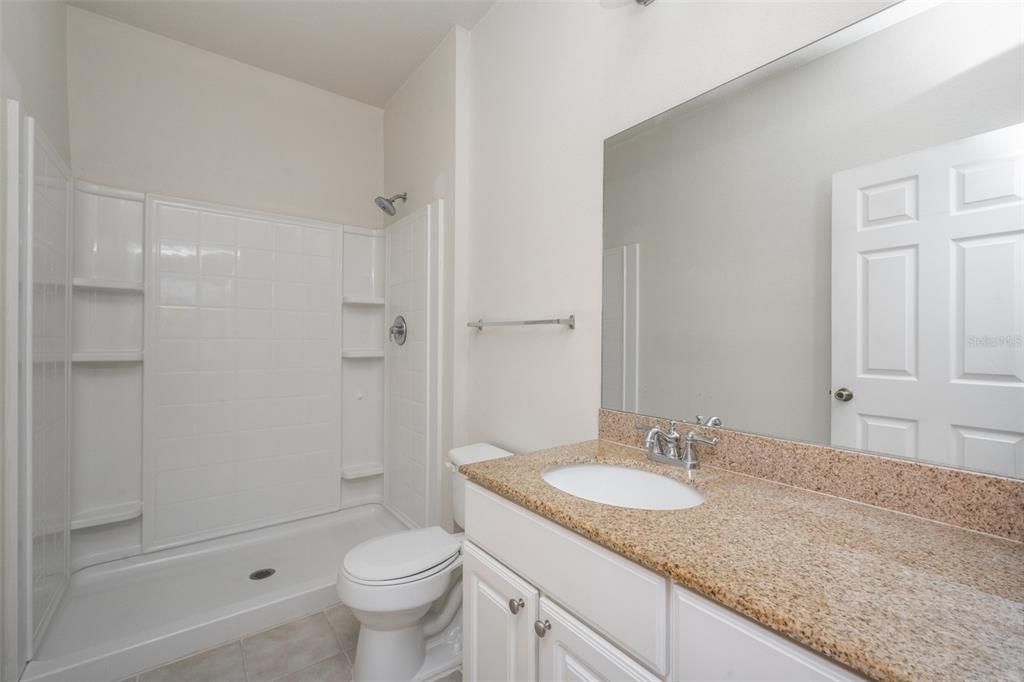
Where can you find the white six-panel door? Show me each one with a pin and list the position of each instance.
(928, 304)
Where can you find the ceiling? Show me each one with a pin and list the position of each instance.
(363, 49)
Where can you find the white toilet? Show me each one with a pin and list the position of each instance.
(390, 583)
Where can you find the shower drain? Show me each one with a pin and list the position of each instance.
(262, 574)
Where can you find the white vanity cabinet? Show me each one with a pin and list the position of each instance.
(498, 612)
(514, 634)
(543, 603)
(711, 642)
(569, 650)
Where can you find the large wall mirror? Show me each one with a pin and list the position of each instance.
(831, 248)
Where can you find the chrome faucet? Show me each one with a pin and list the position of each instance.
(663, 445)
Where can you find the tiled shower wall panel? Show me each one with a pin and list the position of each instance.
(242, 372)
(409, 413)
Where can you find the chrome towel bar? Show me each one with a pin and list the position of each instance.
(569, 322)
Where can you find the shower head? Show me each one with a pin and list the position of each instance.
(388, 205)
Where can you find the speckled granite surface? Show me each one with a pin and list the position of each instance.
(990, 504)
(892, 596)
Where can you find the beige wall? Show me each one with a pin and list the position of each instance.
(549, 82)
(35, 65)
(152, 114)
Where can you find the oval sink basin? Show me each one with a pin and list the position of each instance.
(623, 486)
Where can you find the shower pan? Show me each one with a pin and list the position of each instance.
(123, 617)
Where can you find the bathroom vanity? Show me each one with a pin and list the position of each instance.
(760, 581)
(630, 623)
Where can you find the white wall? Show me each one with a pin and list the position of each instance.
(549, 82)
(750, 283)
(225, 449)
(420, 151)
(419, 131)
(35, 65)
(152, 114)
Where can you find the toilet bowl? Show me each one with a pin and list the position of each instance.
(391, 582)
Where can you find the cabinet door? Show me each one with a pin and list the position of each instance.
(710, 642)
(569, 650)
(498, 612)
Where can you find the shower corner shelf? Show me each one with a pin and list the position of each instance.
(357, 471)
(106, 284)
(108, 356)
(362, 300)
(363, 354)
(101, 516)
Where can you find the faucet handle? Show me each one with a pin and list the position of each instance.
(694, 437)
(672, 433)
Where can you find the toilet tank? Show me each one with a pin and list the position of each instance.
(467, 454)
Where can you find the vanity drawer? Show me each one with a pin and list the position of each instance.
(623, 601)
(706, 638)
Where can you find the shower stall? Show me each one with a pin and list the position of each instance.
(206, 413)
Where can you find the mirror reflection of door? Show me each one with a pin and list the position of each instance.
(731, 195)
(620, 327)
(928, 304)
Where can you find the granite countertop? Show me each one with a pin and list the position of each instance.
(892, 596)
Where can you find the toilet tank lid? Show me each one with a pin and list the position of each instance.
(477, 452)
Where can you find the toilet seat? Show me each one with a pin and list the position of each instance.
(422, 575)
(402, 557)
(399, 573)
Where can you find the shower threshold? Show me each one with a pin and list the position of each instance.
(125, 616)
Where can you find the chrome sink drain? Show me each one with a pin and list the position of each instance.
(262, 574)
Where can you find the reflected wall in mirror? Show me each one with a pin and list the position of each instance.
(831, 248)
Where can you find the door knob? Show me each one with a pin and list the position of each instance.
(541, 627)
(515, 604)
(844, 395)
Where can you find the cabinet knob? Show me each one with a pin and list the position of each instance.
(515, 604)
(541, 627)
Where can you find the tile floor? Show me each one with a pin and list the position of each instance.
(318, 648)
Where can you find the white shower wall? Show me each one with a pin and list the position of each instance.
(255, 326)
(413, 464)
(44, 373)
(219, 355)
(106, 377)
(362, 372)
(242, 371)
